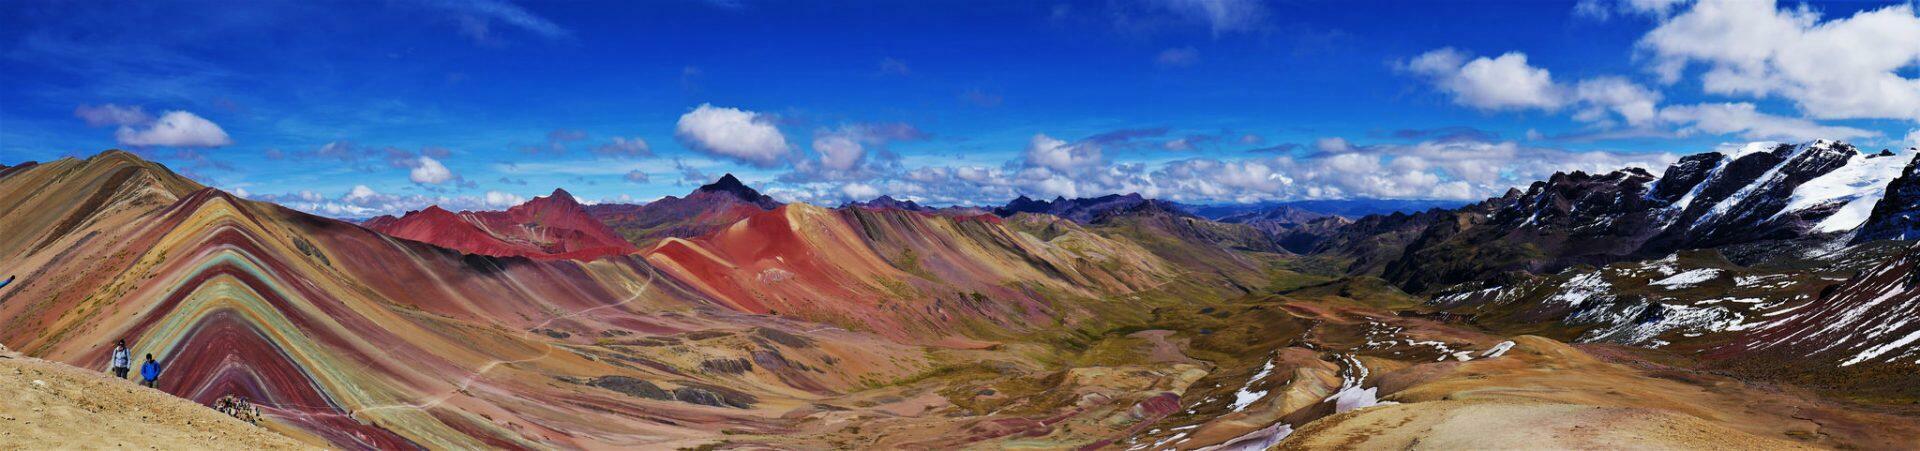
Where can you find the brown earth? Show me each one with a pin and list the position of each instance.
(48, 405)
(1481, 425)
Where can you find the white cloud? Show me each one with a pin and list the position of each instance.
(174, 129)
(429, 171)
(743, 135)
(364, 202)
(838, 152)
(849, 152)
(1913, 138)
(859, 191)
(1849, 68)
(1506, 82)
(1448, 169)
(1748, 122)
(1633, 102)
(1047, 152)
(110, 114)
(499, 199)
(359, 193)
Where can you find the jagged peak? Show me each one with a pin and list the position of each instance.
(726, 182)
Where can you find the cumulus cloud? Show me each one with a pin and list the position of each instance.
(859, 191)
(1632, 102)
(1609, 103)
(1845, 68)
(360, 193)
(1460, 169)
(174, 129)
(1746, 121)
(500, 199)
(742, 135)
(363, 202)
(838, 152)
(428, 171)
(1506, 82)
(1450, 166)
(1913, 138)
(111, 114)
(854, 151)
(1051, 153)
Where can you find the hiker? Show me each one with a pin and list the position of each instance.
(121, 361)
(150, 372)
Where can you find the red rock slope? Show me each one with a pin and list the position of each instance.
(555, 226)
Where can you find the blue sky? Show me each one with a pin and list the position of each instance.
(361, 108)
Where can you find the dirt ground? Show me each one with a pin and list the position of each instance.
(1477, 425)
(48, 405)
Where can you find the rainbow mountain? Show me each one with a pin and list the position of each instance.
(724, 319)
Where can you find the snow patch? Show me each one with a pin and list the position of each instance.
(1247, 396)
(1256, 440)
(1858, 186)
(1581, 288)
(1356, 398)
(1688, 279)
(1497, 350)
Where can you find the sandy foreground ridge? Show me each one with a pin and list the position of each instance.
(48, 405)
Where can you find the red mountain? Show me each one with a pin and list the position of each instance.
(555, 226)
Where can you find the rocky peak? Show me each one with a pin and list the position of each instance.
(1897, 215)
(1684, 175)
(731, 186)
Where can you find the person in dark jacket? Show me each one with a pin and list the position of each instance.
(121, 360)
(150, 372)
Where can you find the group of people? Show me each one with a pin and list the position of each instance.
(237, 406)
(122, 360)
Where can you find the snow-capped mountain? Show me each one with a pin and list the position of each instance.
(1821, 190)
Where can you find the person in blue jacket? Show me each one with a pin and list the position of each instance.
(149, 372)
